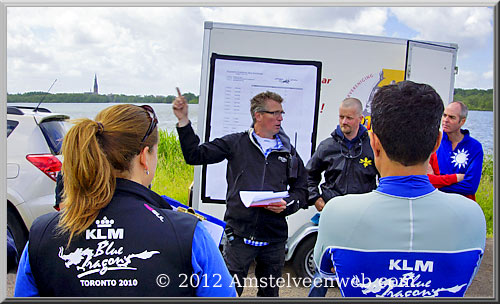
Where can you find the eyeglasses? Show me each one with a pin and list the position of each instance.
(154, 121)
(275, 113)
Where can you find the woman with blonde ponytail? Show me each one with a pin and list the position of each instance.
(113, 235)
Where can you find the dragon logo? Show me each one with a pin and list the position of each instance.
(76, 257)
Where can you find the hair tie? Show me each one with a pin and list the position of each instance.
(100, 128)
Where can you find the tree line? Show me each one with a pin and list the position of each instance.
(36, 97)
(475, 99)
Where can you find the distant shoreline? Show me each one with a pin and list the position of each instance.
(475, 99)
(160, 102)
(36, 102)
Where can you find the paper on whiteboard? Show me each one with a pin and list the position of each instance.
(261, 198)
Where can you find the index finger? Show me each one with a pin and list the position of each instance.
(178, 91)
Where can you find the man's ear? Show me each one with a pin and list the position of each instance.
(462, 121)
(257, 116)
(438, 142)
(375, 144)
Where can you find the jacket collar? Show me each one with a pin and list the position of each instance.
(129, 187)
(465, 132)
(285, 140)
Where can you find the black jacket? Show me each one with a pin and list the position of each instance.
(347, 171)
(123, 253)
(248, 169)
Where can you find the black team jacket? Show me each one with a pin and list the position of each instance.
(129, 251)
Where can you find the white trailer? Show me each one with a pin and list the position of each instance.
(314, 71)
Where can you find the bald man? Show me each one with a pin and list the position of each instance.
(346, 159)
(458, 152)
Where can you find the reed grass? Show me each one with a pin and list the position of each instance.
(173, 176)
(484, 194)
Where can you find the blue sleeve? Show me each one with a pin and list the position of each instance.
(472, 176)
(209, 267)
(25, 283)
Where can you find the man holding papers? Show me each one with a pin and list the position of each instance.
(259, 159)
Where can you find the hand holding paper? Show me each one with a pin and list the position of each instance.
(263, 199)
(277, 207)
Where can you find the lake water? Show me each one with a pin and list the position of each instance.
(479, 123)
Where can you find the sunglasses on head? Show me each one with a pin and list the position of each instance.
(154, 121)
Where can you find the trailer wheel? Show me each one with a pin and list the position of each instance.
(303, 261)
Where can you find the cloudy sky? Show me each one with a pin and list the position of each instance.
(150, 51)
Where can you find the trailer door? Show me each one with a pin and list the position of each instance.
(432, 64)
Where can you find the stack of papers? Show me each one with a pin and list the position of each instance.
(261, 198)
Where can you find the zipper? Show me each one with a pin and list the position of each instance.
(266, 162)
(265, 158)
(252, 235)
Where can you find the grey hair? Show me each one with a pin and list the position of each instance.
(258, 102)
(353, 102)
(463, 109)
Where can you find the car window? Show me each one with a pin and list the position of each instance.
(11, 125)
(54, 130)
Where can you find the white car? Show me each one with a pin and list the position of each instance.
(34, 139)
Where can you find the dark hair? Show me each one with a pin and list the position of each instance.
(406, 117)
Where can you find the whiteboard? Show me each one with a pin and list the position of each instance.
(234, 81)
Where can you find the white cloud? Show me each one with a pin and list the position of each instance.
(151, 50)
(470, 27)
(468, 79)
(488, 75)
(358, 20)
(131, 49)
(369, 21)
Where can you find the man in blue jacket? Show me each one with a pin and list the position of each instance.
(459, 152)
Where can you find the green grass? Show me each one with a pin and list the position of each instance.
(484, 194)
(173, 176)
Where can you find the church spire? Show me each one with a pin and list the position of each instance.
(96, 88)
